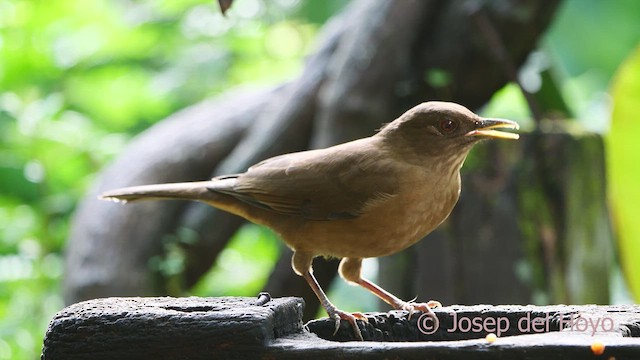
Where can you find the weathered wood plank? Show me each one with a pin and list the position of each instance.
(168, 328)
(234, 327)
(475, 322)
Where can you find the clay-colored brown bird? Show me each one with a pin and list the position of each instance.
(366, 198)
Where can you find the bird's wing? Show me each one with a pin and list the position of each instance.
(341, 182)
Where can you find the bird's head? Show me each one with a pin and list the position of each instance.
(434, 129)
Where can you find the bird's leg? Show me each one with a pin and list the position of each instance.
(333, 312)
(301, 263)
(395, 301)
(350, 270)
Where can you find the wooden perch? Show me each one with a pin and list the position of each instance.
(232, 327)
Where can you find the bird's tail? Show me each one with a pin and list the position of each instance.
(197, 190)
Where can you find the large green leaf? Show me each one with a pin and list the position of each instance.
(623, 157)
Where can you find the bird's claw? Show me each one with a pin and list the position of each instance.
(352, 318)
(411, 306)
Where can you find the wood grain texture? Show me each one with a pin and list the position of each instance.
(236, 328)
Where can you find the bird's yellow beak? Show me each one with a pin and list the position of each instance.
(486, 127)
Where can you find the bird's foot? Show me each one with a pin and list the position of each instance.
(337, 315)
(412, 306)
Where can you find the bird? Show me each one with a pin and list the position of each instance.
(366, 198)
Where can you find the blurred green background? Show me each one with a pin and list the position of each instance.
(78, 79)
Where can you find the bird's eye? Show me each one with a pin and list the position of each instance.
(448, 126)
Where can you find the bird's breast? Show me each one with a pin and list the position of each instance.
(413, 216)
(390, 226)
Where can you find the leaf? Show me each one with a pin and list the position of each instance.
(623, 152)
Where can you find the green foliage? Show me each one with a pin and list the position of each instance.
(586, 43)
(592, 36)
(623, 153)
